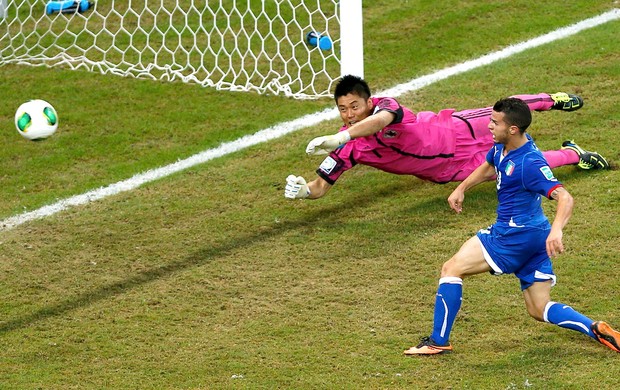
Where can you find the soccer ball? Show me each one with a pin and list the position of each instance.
(36, 120)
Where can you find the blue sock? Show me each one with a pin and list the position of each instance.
(447, 304)
(566, 317)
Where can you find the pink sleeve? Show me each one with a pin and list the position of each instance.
(338, 161)
(390, 105)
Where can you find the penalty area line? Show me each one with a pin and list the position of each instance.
(305, 121)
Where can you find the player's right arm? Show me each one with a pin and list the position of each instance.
(297, 188)
(332, 167)
(484, 172)
(318, 188)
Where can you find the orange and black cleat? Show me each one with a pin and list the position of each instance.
(606, 335)
(428, 347)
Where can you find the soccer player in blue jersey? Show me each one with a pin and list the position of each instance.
(521, 241)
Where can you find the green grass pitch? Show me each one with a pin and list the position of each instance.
(210, 279)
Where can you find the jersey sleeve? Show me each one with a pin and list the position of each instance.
(390, 105)
(491, 155)
(538, 176)
(338, 161)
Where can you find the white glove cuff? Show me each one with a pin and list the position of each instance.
(344, 137)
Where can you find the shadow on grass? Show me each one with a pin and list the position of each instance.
(315, 216)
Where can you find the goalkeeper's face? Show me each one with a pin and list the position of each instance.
(353, 108)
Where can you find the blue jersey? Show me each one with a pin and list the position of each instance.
(516, 242)
(523, 176)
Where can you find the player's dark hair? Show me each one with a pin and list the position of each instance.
(516, 112)
(352, 84)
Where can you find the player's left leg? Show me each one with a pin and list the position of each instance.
(587, 159)
(478, 118)
(541, 308)
(566, 317)
(559, 158)
(573, 154)
(555, 101)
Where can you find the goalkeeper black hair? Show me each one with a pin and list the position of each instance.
(352, 84)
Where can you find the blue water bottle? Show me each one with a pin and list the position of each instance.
(67, 6)
(324, 42)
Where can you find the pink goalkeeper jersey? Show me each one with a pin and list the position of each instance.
(441, 147)
(422, 145)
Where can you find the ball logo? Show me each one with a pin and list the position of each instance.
(23, 122)
(50, 115)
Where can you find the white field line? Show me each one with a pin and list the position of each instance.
(284, 128)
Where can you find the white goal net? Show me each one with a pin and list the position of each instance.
(252, 45)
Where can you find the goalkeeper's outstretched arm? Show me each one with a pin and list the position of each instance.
(318, 188)
(368, 126)
(297, 188)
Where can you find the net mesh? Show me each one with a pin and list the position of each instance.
(232, 45)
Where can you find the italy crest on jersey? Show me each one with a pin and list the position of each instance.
(510, 168)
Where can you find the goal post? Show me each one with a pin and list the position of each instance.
(265, 46)
(351, 38)
(3, 6)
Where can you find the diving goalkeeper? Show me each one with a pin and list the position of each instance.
(439, 147)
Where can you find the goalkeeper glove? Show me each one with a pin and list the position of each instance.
(327, 143)
(296, 188)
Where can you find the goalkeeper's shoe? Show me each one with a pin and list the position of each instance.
(566, 102)
(587, 160)
(606, 335)
(428, 347)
